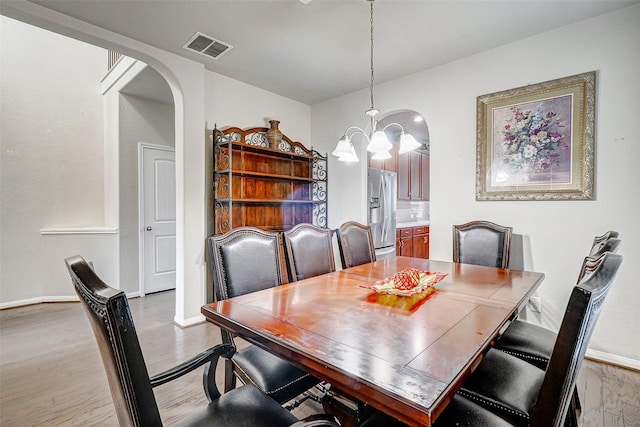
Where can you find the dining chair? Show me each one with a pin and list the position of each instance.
(245, 260)
(460, 412)
(534, 343)
(129, 381)
(355, 243)
(528, 396)
(482, 243)
(309, 251)
(599, 241)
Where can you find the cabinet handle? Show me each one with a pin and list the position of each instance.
(426, 239)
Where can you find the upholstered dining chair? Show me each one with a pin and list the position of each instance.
(534, 343)
(245, 260)
(309, 251)
(482, 243)
(132, 387)
(528, 396)
(599, 241)
(460, 412)
(355, 243)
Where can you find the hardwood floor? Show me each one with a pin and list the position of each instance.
(51, 373)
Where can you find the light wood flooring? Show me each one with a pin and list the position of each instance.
(51, 373)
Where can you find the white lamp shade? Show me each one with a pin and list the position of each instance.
(343, 147)
(351, 156)
(407, 143)
(379, 142)
(381, 155)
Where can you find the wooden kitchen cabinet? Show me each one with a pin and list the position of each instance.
(404, 242)
(413, 242)
(425, 170)
(413, 176)
(421, 242)
(272, 188)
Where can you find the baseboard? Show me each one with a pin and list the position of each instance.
(612, 359)
(49, 299)
(190, 321)
(39, 300)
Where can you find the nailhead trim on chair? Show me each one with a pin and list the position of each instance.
(525, 356)
(485, 401)
(269, 392)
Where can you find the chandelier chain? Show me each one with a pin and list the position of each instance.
(371, 84)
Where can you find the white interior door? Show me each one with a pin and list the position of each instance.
(158, 219)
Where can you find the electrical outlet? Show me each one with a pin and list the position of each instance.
(535, 304)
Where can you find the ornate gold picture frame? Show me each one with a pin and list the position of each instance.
(537, 142)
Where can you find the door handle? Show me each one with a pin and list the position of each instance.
(149, 228)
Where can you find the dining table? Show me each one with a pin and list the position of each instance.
(406, 355)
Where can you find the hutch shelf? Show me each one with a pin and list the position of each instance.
(269, 187)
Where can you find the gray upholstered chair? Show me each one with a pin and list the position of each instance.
(482, 243)
(528, 396)
(309, 251)
(356, 244)
(132, 388)
(245, 260)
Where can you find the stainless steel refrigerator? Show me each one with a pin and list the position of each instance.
(381, 192)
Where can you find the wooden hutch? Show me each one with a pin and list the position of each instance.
(270, 187)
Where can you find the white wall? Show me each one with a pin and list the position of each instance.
(52, 158)
(231, 103)
(557, 234)
(151, 122)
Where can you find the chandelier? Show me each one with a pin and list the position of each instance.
(377, 143)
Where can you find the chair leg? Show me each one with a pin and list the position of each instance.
(571, 419)
(229, 376)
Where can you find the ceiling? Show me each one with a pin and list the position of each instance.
(317, 51)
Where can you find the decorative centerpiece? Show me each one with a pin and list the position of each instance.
(274, 136)
(407, 282)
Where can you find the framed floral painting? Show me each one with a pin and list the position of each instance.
(537, 142)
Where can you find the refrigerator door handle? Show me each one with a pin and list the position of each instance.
(383, 206)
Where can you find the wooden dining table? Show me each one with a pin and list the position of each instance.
(404, 355)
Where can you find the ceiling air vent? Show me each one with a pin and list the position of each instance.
(205, 45)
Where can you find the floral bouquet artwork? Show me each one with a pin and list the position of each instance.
(532, 142)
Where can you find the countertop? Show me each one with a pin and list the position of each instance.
(412, 224)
